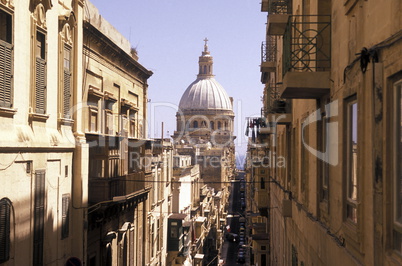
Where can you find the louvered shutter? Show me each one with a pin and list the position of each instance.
(39, 215)
(65, 216)
(40, 90)
(4, 230)
(67, 94)
(5, 74)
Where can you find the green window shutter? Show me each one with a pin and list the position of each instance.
(40, 89)
(6, 76)
(65, 216)
(5, 206)
(39, 217)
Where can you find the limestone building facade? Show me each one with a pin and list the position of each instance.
(332, 76)
(41, 193)
(120, 157)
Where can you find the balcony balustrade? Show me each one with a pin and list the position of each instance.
(104, 189)
(268, 57)
(306, 57)
(276, 6)
(277, 110)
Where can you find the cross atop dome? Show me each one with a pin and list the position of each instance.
(206, 45)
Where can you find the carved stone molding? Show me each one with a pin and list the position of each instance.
(47, 4)
(67, 23)
(39, 9)
(7, 3)
(66, 35)
(39, 16)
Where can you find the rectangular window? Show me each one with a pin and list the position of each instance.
(6, 66)
(40, 73)
(294, 256)
(324, 160)
(351, 157)
(304, 169)
(109, 122)
(152, 239)
(5, 208)
(174, 230)
(124, 123)
(262, 183)
(93, 119)
(65, 216)
(132, 128)
(67, 82)
(39, 217)
(398, 167)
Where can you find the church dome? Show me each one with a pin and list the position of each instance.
(205, 93)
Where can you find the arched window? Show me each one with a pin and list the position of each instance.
(205, 69)
(219, 124)
(195, 124)
(5, 208)
(226, 126)
(212, 125)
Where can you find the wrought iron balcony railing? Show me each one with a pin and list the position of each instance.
(307, 44)
(280, 7)
(269, 49)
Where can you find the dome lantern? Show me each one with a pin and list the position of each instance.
(205, 63)
(205, 93)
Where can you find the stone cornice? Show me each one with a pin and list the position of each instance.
(116, 56)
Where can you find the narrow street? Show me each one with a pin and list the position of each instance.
(234, 213)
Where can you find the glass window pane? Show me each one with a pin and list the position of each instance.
(353, 152)
(67, 56)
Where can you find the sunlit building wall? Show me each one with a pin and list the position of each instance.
(40, 82)
(332, 73)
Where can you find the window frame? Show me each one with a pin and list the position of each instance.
(65, 216)
(351, 204)
(40, 57)
(8, 43)
(66, 104)
(109, 119)
(323, 140)
(39, 214)
(397, 168)
(132, 124)
(93, 112)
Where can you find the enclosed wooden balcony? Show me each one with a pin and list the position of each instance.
(175, 239)
(306, 57)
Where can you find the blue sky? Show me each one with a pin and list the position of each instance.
(169, 34)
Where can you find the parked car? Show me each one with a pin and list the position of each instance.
(243, 205)
(232, 237)
(241, 258)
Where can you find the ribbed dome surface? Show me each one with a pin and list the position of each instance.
(205, 94)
